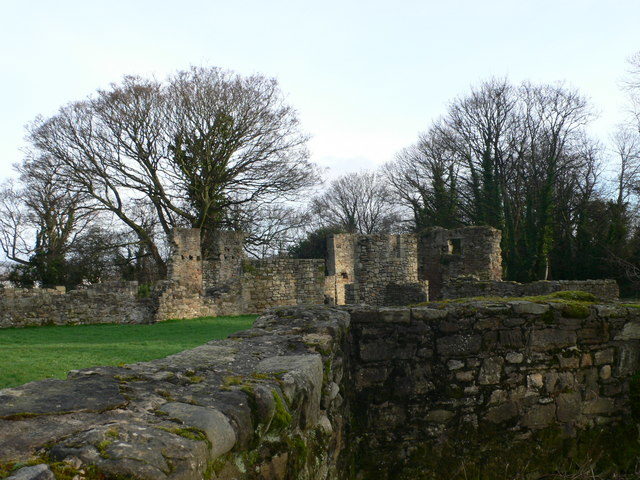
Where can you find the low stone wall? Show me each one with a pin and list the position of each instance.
(468, 287)
(282, 281)
(353, 392)
(104, 303)
(267, 403)
(392, 294)
(511, 368)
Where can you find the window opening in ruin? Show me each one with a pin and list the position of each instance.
(397, 248)
(455, 246)
(345, 275)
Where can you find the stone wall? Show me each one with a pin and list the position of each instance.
(282, 281)
(223, 264)
(509, 368)
(185, 264)
(447, 254)
(375, 269)
(340, 266)
(469, 286)
(268, 403)
(114, 302)
(227, 283)
(356, 392)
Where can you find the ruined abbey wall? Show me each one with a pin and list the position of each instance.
(447, 254)
(350, 392)
(113, 302)
(374, 269)
(359, 269)
(228, 283)
(468, 287)
(508, 368)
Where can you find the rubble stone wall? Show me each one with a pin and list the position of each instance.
(375, 269)
(223, 264)
(447, 254)
(322, 393)
(282, 281)
(466, 287)
(513, 367)
(113, 302)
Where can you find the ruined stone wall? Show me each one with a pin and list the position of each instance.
(447, 254)
(269, 403)
(233, 285)
(223, 264)
(113, 302)
(341, 262)
(357, 392)
(282, 281)
(375, 269)
(466, 287)
(185, 264)
(509, 368)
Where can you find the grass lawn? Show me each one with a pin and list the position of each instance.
(34, 353)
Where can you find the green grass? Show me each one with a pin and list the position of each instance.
(34, 353)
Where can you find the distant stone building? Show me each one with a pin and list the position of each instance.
(379, 270)
(359, 269)
(408, 268)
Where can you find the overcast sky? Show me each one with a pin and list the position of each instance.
(365, 76)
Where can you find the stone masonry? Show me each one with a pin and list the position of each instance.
(374, 270)
(113, 302)
(470, 286)
(359, 269)
(448, 254)
(323, 393)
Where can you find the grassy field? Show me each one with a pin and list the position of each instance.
(34, 353)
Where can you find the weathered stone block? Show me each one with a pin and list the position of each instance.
(514, 357)
(502, 413)
(211, 421)
(604, 356)
(539, 416)
(428, 314)
(394, 315)
(439, 416)
(458, 345)
(599, 406)
(569, 406)
(551, 338)
(511, 339)
(531, 308)
(491, 371)
(36, 472)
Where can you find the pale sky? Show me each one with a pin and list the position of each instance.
(365, 76)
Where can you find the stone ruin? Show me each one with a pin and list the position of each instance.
(353, 389)
(393, 269)
(337, 393)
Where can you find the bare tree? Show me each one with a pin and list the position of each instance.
(626, 147)
(505, 156)
(15, 225)
(424, 177)
(357, 203)
(42, 218)
(201, 143)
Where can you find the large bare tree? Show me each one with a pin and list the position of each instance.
(504, 155)
(357, 203)
(41, 218)
(202, 143)
(424, 178)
